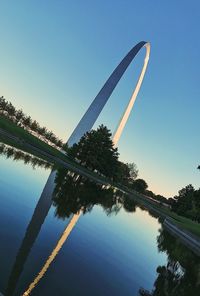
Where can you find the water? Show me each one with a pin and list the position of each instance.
(111, 247)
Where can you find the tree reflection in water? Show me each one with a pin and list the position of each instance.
(74, 193)
(17, 155)
(181, 275)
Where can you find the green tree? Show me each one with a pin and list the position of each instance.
(96, 151)
(35, 126)
(3, 104)
(65, 147)
(187, 203)
(150, 193)
(60, 143)
(123, 174)
(139, 185)
(27, 121)
(11, 110)
(19, 115)
(133, 170)
(184, 200)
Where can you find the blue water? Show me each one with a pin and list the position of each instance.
(103, 255)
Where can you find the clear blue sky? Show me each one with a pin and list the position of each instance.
(56, 55)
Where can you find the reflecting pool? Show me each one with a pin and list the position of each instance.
(74, 237)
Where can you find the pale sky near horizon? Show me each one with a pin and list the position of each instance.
(56, 55)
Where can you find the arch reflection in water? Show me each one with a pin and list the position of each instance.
(33, 229)
(75, 195)
(55, 251)
(70, 193)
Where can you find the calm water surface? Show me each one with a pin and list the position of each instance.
(110, 248)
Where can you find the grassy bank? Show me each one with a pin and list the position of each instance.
(22, 134)
(182, 222)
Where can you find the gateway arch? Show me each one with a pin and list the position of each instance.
(91, 115)
(85, 124)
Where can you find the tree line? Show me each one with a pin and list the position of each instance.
(186, 203)
(18, 117)
(74, 193)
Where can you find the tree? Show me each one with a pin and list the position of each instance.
(187, 203)
(65, 147)
(133, 170)
(19, 115)
(60, 143)
(139, 185)
(22, 120)
(11, 110)
(74, 192)
(96, 151)
(3, 104)
(123, 175)
(49, 134)
(129, 204)
(34, 126)
(27, 121)
(150, 193)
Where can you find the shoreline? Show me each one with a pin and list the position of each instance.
(189, 240)
(187, 237)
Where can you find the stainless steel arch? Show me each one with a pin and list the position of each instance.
(91, 115)
(84, 125)
(122, 123)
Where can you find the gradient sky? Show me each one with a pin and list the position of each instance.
(56, 55)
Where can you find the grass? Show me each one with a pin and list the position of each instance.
(182, 222)
(22, 134)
